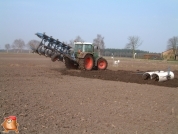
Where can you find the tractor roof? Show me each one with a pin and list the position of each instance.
(88, 43)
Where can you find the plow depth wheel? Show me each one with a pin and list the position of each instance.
(88, 62)
(102, 64)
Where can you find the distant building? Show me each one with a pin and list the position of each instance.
(153, 56)
(169, 54)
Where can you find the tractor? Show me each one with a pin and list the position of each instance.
(82, 56)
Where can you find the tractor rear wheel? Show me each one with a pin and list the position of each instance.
(102, 64)
(86, 63)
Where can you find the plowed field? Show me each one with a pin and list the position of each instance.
(48, 99)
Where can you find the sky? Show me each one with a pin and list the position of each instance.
(153, 21)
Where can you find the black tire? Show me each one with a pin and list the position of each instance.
(86, 63)
(81, 64)
(102, 64)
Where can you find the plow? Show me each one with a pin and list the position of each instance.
(81, 56)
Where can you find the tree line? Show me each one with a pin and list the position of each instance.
(124, 52)
(131, 48)
(173, 44)
(18, 45)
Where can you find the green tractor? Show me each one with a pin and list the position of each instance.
(84, 55)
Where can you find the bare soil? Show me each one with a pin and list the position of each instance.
(122, 75)
(47, 98)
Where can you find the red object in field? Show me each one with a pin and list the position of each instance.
(11, 117)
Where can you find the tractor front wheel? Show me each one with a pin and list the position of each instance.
(102, 64)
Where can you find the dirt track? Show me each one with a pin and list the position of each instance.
(46, 99)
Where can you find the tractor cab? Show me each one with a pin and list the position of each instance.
(83, 47)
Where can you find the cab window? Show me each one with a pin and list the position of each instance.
(88, 48)
(78, 47)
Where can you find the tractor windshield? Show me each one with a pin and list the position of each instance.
(78, 47)
(88, 48)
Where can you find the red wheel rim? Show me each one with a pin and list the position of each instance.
(101, 64)
(88, 63)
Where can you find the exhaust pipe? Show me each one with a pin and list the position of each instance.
(163, 76)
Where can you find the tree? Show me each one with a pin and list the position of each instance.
(99, 42)
(107, 53)
(172, 44)
(7, 46)
(79, 39)
(13, 47)
(71, 43)
(33, 45)
(19, 44)
(134, 43)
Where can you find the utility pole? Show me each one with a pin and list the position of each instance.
(99, 52)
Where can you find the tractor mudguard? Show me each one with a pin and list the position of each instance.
(96, 60)
(83, 54)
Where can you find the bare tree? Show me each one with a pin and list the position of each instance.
(134, 43)
(65, 42)
(79, 39)
(99, 42)
(173, 44)
(13, 47)
(33, 45)
(71, 43)
(7, 46)
(19, 44)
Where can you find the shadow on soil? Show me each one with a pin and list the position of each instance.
(120, 75)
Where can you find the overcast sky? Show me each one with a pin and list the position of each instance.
(154, 21)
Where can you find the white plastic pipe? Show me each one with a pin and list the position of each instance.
(148, 75)
(163, 76)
